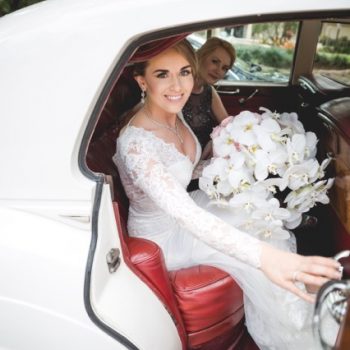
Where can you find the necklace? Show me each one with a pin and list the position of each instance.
(174, 130)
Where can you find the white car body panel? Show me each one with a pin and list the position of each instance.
(55, 59)
(41, 291)
(139, 304)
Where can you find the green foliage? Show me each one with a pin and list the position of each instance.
(274, 33)
(7, 6)
(332, 61)
(267, 56)
(340, 45)
(278, 57)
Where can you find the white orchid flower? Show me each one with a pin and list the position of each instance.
(323, 166)
(216, 169)
(249, 200)
(207, 186)
(247, 225)
(270, 163)
(223, 144)
(267, 231)
(310, 145)
(271, 212)
(214, 179)
(269, 114)
(290, 120)
(301, 147)
(271, 184)
(296, 149)
(267, 134)
(294, 220)
(241, 128)
(305, 198)
(300, 175)
(320, 191)
(239, 175)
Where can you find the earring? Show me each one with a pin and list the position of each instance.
(143, 96)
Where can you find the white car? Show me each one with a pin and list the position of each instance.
(70, 278)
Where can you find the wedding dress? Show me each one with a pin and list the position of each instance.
(155, 176)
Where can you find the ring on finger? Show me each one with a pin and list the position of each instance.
(295, 276)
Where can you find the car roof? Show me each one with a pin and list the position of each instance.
(56, 57)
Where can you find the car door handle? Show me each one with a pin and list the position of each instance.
(245, 99)
(227, 92)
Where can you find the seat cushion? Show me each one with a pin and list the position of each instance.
(210, 301)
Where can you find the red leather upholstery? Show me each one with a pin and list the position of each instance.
(210, 301)
(205, 302)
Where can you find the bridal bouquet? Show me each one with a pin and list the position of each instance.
(264, 168)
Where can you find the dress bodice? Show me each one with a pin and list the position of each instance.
(199, 115)
(177, 164)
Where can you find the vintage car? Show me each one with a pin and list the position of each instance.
(71, 277)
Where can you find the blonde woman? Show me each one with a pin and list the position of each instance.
(204, 109)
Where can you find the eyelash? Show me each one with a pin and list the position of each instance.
(183, 73)
(186, 72)
(162, 75)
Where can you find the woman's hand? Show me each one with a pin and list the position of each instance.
(285, 269)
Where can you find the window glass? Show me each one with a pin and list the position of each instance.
(333, 52)
(264, 51)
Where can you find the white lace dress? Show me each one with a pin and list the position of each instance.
(155, 176)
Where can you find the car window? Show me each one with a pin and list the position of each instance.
(265, 51)
(333, 52)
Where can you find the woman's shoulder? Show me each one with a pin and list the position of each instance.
(134, 135)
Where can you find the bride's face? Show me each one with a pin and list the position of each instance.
(168, 82)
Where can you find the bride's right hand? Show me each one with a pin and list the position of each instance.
(285, 269)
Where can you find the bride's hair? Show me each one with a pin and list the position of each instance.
(184, 48)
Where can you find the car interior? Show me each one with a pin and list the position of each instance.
(205, 303)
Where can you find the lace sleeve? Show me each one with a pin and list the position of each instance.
(147, 172)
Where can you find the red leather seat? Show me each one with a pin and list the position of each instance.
(205, 302)
(210, 302)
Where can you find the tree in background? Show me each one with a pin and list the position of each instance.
(275, 33)
(7, 6)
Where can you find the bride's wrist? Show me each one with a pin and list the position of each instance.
(266, 252)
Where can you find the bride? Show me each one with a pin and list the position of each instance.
(156, 155)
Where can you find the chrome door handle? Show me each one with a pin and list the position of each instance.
(227, 92)
(245, 99)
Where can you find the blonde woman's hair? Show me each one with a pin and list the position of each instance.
(212, 44)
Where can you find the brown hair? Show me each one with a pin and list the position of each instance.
(213, 43)
(182, 47)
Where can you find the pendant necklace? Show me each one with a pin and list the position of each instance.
(174, 130)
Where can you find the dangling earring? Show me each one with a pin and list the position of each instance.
(143, 96)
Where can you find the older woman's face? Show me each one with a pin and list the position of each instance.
(215, 66)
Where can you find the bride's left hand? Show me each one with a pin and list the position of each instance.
(285, 269)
